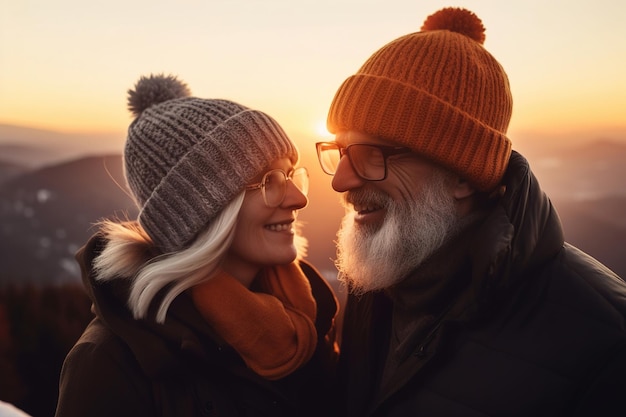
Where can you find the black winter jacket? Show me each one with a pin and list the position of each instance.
(126, 367)
(544, 332)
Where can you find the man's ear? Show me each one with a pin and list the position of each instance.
(462, 189)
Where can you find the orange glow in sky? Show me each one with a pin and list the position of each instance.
(66, 65)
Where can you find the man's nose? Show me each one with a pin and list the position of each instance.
(345, 177)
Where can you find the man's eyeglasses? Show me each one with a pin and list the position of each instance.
(274, 185)
(369, 161)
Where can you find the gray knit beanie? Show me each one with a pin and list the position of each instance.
(186, 158)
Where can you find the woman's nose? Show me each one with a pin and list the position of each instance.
(294, 199)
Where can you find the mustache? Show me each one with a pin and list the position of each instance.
(364, 197)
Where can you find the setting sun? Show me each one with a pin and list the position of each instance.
(321, 131)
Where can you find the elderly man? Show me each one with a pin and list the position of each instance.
(463, 299)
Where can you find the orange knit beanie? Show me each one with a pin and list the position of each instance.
(438, 92)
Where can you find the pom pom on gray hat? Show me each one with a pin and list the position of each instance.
(186, 158)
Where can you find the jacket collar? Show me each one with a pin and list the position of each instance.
(522, 233)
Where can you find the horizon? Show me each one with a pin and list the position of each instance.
(16, 136)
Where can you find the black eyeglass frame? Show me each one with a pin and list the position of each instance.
(386, 151)
(288, 177)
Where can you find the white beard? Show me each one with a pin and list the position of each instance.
(371, 258)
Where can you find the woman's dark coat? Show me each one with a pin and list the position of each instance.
(543, 332)
(124, 367)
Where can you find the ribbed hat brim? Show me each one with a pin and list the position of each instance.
(411, 117)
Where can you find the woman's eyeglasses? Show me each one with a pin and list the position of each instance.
(368, 161)
(274, 185)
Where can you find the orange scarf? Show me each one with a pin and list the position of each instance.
(274, 332)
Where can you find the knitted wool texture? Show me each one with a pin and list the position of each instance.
(186, 158)
(438, 92)
(274, 330)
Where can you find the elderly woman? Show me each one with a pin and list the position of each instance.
(203, 305)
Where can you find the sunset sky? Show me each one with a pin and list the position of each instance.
(66, 65)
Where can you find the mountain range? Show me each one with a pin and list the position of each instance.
(47, 213)
(48, 208)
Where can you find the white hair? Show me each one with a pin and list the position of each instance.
(374, 258)
(127, 254)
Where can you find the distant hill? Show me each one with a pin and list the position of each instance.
(32, 156)
(597, 227)
(38, 147)
(47, 214)
(10, 170)
(591, 171)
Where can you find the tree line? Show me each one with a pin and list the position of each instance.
(38, 327)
